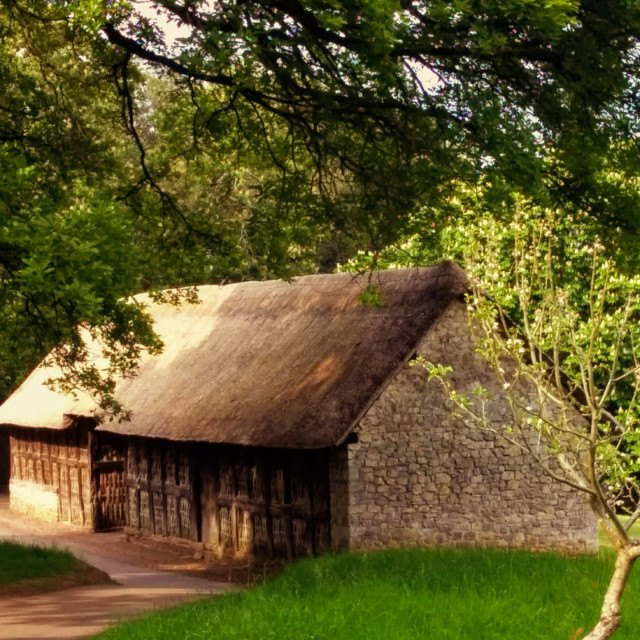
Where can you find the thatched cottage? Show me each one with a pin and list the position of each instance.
(282, 418)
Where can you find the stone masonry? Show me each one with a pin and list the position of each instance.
(419, 476)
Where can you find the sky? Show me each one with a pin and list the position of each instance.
(171, 30)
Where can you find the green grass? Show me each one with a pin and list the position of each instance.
(405, 595)
(634, 532)
(21, 562)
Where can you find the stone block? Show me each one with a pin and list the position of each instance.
(417, 468)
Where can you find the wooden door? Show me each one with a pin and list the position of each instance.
(108, 490)
(109, 497)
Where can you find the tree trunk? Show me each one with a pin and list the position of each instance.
(610, 613)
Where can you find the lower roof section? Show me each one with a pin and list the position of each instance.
(275, 363)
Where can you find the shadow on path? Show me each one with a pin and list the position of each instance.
(84, 611)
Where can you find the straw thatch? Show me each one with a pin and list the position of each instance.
(273, 364)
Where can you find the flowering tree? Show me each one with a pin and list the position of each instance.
(569, 366)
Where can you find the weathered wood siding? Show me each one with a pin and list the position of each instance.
(237, 500)
(264, 501)
(5, 465)
(161, 485)
(49, 465)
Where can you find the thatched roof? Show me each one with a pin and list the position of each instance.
(276, 364)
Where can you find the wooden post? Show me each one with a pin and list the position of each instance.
(286, 472)
(215, 480)
(146, 452)
(194, 489)
(68, 489)
(234, 515)
(93, 488)
(266, 476)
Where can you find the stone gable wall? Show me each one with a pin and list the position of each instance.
(418, 475)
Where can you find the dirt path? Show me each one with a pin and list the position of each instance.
(147, 579)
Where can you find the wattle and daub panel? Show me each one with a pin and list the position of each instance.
(239, 500)
(161, 488)
(265, 502)
(57, 460)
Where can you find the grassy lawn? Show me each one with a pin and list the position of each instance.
(404, 595)
(22, 562)
(634, 532)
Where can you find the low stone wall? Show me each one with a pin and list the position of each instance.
(418, 475)
(32, 499)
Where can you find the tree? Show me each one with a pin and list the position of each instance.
(419, 92)
(570, 368)
(398, 98)
(66, 255)
(84, 223)
(342, 118)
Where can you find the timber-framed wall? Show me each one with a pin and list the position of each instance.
(50, 473)
(161, 488)
(5, 460)
(272, 502)
(236, 500)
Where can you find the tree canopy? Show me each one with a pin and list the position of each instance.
(401, 96)
(424, 90)
(275, 138)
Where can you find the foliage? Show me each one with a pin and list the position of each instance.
(403, 594)
(66, 256)
(482, 237)
(20, 562)
(278, 138)
(371, 297)
(84, 223)
(573, 356)
(406, 96)
(389, 101)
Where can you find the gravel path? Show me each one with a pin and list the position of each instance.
(84, 611)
